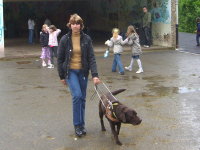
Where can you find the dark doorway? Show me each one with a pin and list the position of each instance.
(16, 15)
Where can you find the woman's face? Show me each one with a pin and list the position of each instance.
(75, 27)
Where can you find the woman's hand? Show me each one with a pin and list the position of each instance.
(63, 82)
(96, 80)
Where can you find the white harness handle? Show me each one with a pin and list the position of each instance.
(97, 91)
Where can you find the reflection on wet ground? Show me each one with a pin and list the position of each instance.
(23, 62)
(36, 109)
(182, 90)
(155, 88)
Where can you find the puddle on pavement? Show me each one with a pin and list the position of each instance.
(156, 91)
(109, 79)
(154, 78)
(161, 91)
(36, 67)
(143, 95)
(183, 90)
(159, 78)
(47, 137)
(65, 148)
(135, 77)
(50, 138)
(65, 91)
(23, 62)
(40, 87)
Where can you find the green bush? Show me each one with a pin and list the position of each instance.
(189, 10)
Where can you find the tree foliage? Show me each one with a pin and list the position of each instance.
(189, 10)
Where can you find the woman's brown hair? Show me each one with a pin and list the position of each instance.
(130, 30)
(75, 19)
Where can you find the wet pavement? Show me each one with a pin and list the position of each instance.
(36, 109)
(187, 43)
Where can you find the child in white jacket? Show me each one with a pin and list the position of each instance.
(53, 43)
(116, 42)
(134, 42)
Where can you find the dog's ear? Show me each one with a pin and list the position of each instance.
(118, 91)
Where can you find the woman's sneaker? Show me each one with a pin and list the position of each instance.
(128, 68)
(83, 130)
(78, 131)
(50, 66)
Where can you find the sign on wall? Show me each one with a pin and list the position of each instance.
(161, 11)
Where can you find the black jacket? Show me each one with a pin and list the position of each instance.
(44, 39)
(198, 27)
(65, 51)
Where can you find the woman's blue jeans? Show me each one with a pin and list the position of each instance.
(117, 62)
(78, 85)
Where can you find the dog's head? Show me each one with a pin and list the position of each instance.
(125, 114)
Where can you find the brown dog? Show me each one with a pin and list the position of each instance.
(116, 114)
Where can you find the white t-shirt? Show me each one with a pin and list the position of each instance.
(31, 24)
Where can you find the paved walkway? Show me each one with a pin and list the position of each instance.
(187, 43)
(16, 48)
(19, 48)
(36, 109)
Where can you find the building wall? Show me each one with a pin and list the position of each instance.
(103, 15)
(1, 25)
(161, 22)
(118, 13)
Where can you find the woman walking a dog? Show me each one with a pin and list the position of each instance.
(75, 59)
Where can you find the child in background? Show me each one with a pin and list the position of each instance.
(198, 30)
(134, 42)
(116, 42)
(53, 43)
(44, 40)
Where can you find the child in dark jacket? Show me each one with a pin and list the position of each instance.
(44, 40)
(198, 31)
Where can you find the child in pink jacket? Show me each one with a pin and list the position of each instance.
(53, 43)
